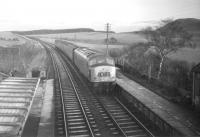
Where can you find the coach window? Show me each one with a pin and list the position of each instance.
(92, 62)
(100, 60)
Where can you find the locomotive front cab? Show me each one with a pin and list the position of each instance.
(102, 69)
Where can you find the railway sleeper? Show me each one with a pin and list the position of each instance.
(124, 119)
(77, 127)
(137, 136)
(73, 113)
(80, 136)
(76, 123)
(118, 113)
(74, 105)
(129, 126)
(71, 108)
(135, 132)
(120, 116)
(74, 120)
(126, 123)
(74, 110)
(76, 132)
(74, 116)
(71, 102)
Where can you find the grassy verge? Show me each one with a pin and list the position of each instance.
(22, 58)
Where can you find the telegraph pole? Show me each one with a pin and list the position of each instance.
(107, 32)
(75, 37)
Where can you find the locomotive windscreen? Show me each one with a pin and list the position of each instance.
(110, 61)
(101, 60)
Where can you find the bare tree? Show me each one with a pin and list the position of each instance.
(151, 57)
(111, 40)
(167, 39)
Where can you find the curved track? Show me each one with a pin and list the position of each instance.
(71, 119)
(79, 112)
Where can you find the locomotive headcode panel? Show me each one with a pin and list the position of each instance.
(103, 74)
(102, 69)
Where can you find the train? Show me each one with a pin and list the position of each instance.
(98, 68)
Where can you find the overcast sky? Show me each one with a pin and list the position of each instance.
(123, 15)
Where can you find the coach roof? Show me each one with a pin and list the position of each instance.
(88, 53)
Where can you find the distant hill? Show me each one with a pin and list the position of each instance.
(101, 31)
(49, 31)
(190, 25)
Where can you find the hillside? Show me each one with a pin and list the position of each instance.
(49, 31)
(190, 25)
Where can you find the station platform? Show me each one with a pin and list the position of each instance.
(40, 122)
(16, 97)
(46, 125)
(177, 117)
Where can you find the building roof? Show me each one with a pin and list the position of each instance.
(196, 68)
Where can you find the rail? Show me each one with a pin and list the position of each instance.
(61, 92)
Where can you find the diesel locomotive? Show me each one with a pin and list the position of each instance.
(95, 66)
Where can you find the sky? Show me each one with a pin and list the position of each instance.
(123, 15)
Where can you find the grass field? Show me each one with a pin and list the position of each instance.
(191, 55)
(99, 37)
(100, 47)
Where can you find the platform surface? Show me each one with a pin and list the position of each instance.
(16, 95)
(46, 125)
(176, 116)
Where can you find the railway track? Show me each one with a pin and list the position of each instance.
(79, 112)
(125, 120)
(71, 119)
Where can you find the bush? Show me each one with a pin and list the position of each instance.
(177, 73)
(174, 77)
